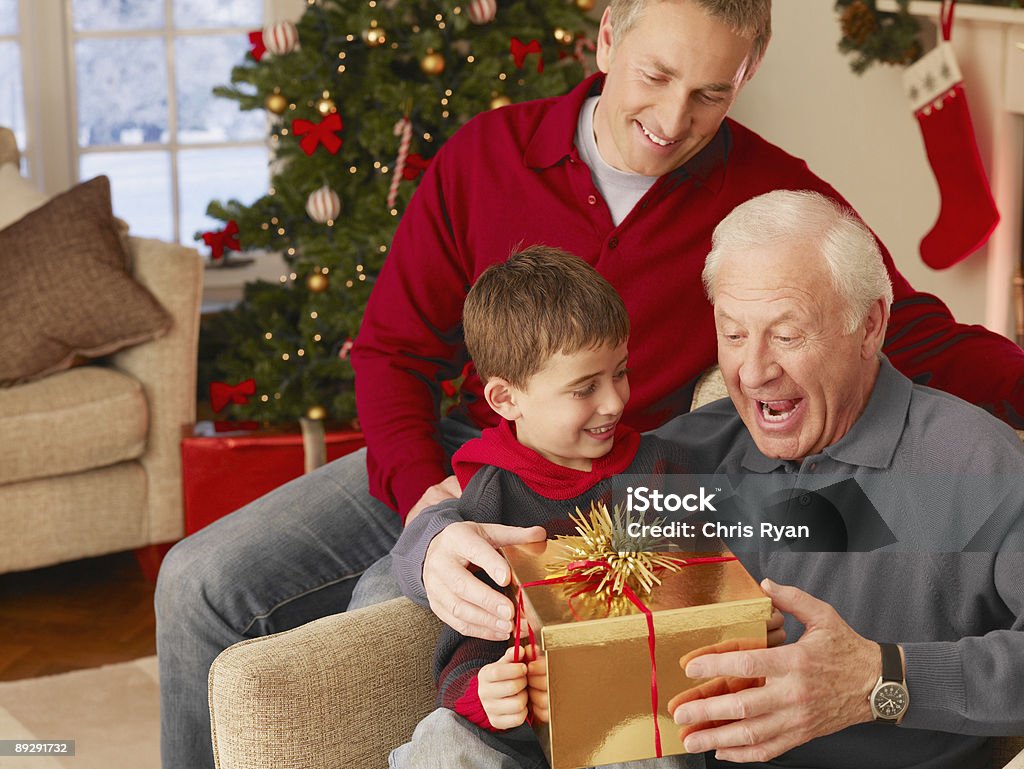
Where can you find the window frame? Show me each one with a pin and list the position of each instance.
(47, 39)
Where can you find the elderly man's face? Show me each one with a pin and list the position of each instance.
(798, 380)
(671, 79)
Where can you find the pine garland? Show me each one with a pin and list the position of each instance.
(885, 37)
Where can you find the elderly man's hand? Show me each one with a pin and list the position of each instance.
(814, 687)
(456, 595)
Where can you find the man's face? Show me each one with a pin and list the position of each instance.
(670, 81)
(798, 380)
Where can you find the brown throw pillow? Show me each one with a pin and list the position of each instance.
(65, 290)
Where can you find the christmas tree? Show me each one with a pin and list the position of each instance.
(362, 94)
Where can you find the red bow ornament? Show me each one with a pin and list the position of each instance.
(415, 165)
(315, 134)
(221, 240)
(221, 393)
(256, 41)
(521, 50)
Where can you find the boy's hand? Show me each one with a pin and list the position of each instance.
(537, 678)
(502, 689)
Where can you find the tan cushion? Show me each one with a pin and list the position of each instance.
(66, 289)
(710, 387)
(72, 421)
(49, 520)
(8, 146)
(17, 195)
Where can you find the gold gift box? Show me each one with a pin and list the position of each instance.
(598, 655)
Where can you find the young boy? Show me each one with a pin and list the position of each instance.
(548, 336)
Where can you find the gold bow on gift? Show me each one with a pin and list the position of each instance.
(599, 551)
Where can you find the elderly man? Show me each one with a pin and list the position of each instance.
(929, 640)
(801, 302)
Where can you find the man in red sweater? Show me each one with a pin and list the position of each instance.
(632, 170)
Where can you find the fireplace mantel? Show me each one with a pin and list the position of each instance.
(989, 13)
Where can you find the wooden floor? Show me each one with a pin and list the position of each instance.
(75, 615)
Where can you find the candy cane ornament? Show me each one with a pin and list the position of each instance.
(402, 128)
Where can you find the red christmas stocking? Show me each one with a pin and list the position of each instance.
(968, 213)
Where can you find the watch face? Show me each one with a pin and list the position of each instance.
(890, 700)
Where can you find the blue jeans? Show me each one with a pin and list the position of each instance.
(286, 559)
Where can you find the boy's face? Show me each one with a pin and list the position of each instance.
(570, 408)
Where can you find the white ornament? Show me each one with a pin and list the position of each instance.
(281, 37)
(482, 11)
(324, 205)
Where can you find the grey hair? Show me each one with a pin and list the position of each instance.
(749, 18)
(851, 253)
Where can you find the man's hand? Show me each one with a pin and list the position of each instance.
(814, 687)
(447, 489)
(456, 595)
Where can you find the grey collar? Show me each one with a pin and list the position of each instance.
(874, 437)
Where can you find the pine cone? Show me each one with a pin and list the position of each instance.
(858, 22)
(912, 54)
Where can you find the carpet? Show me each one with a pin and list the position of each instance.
(112, 713)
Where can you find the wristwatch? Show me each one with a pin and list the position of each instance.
(890, 698)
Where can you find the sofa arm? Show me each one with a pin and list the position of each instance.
(344, 691)
(166, 367)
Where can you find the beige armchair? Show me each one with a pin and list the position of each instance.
(89, 457)
(345, 690)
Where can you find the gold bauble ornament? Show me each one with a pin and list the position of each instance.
(276, 103)
(317, 283)
(500, 101)
(563, 36)
(585, 5)
(432, 63)
(325, 106)
(316, 412)
(374, 36)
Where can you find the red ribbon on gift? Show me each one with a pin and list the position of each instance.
(415, 164)
(634, 599)
(315, 134)
(223, 239)
(256, 40)
(221, 393)
(521, 50)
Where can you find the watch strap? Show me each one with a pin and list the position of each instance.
(892, 663)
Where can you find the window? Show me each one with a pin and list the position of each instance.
(135, 102)
(12, 98)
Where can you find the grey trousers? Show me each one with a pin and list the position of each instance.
(446, 740)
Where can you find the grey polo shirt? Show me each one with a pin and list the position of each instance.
(946, 477)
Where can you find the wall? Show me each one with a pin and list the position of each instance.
(858, 133)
